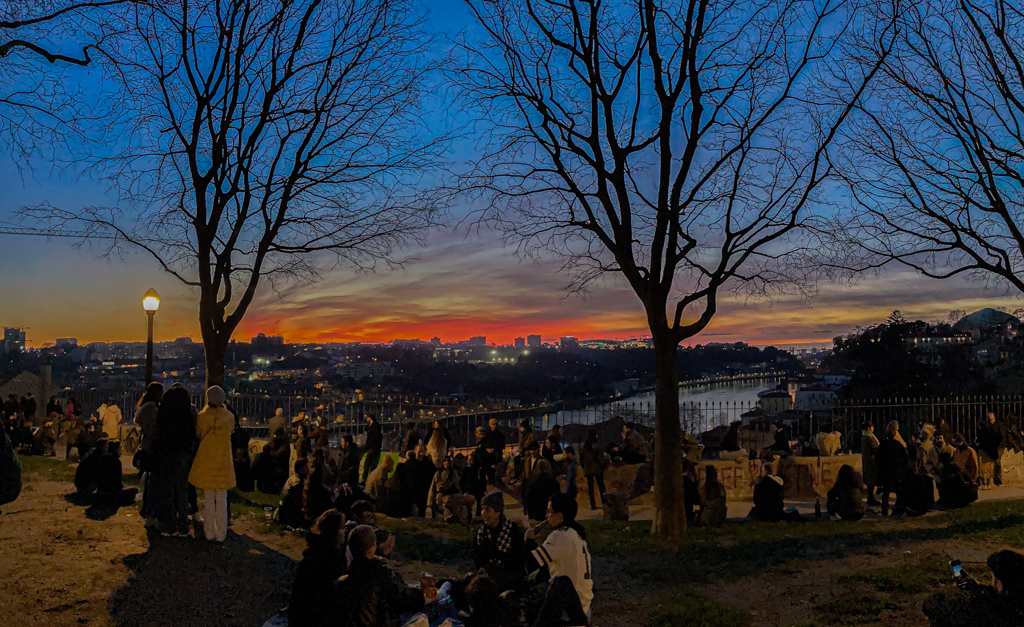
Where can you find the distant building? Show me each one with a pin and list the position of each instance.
(436, 341)
(479, 340)
(65, 342)
(367, 370)
(533, 341)
(520, 342)
(266, 341)
(14, 340)
(569, 342)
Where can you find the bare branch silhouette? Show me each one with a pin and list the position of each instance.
(933, 160)
(262, 136)
(678, 144)
(39, 41)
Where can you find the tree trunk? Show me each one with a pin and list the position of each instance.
(215, 352)
(669, 513)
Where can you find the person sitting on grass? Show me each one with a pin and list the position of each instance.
(488, 607)
(270, 468)
(444, 484)
(956, 490)
(87, 473)
(316, 496)
(102, 477)
(289, 512)
(715, 509)
(845, 497)
(88, 436)
(564, 554)
(372, 594)
(769, 505)
(323, 562)
(498, 547)
(1001, 604)
(363, 513)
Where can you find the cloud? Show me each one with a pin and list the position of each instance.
(456, 288)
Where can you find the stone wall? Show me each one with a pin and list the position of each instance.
(804, 477)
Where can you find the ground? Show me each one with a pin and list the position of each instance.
(64, 564)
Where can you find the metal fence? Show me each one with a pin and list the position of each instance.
(958, 415)
(345, 414)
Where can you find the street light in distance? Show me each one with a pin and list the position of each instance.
(150, 302)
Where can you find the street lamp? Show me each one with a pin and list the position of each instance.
(150, 302)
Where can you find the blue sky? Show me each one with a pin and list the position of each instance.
(459, 286)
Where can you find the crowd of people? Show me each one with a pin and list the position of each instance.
(345, 578)
(334, 490)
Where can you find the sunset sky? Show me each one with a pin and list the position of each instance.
(456, 287)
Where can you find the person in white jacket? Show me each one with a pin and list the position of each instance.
(110, 417)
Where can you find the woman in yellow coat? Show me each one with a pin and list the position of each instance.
(213, 470)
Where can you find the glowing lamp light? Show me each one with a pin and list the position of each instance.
(151, 300)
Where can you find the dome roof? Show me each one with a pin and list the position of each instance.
(983, 318)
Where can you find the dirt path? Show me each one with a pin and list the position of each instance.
(61, 566)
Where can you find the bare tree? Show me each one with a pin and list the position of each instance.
(262, 136)
(39, 41)
(674, 143)
(934, 157)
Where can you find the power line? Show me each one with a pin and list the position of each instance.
(49, 233)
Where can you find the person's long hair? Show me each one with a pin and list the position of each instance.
(847, 478)
(713, 488)
(154, 391)
(176, 424)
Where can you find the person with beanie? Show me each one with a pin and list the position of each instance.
(498, 547)
(213, 470)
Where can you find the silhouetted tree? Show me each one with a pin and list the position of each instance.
(675, 143)
(260, 135)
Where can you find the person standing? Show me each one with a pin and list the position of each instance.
(494, 439)
(869, 450)
(412, 438)
(372, 446)
(145, 418)
(594, 464)
(990, 441)
(110, 417)
(28, 407)
(213, 471)
(277, 424)
(173, 446)
(892, 466)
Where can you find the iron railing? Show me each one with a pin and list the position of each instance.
(345, 414)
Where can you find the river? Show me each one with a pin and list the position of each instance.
(702, 407)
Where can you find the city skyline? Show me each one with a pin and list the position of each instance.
(57, 291)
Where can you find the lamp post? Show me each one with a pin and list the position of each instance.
(150, 302)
